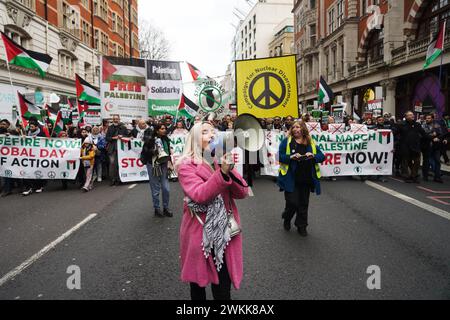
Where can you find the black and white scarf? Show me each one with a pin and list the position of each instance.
(216, 234)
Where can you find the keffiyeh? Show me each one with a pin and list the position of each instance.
(216, 234)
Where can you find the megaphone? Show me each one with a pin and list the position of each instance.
(249, 133)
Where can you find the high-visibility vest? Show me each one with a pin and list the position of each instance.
(285, 167)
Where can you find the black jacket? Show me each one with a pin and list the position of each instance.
(149, 149)
(411, 135)
(113, 131)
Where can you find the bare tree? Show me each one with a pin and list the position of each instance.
(152, 42)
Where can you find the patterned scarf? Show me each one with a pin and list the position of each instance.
(216, 234)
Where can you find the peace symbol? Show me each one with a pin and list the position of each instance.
(263, 100)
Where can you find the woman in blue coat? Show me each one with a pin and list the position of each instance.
(299, 174)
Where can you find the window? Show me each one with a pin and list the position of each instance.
(327, 64)
(126, 8)
(312, 35)
(135, 41)
(312, 4)
(104, 43)
(87, 71)
(375, 45)
(254, 47)
(71, 19)
(364, 5)
(120, 51)
(85, 3)
(114, 22)
(340, 13)
(254, 19)
(342, 59)
(434, 15)
(331, 25)
(134, 16)
(18, 36)
(114, 49)
(334, 63)
(101, 9)
(66, 64)
(86, 33)
(120, 26)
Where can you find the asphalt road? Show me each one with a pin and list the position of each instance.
(127, 253)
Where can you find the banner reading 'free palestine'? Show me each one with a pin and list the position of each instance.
(123, 88)
(39, 158)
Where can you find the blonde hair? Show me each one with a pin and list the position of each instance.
(193, 150)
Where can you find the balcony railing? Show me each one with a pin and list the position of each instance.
(29, 4)
(362, 68)
(414, 49)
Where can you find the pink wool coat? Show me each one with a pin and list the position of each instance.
(202, 185)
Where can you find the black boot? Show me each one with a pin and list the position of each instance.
(167, 213)
(158, 213)
(287, 225)
(302, 231)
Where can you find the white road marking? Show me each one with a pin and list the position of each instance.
(420, 204)
(16, 271)
(132, 186)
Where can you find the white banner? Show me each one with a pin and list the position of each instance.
(354, 154)
(123, 88)
(39, 158)
(131, 168)
(270, 152)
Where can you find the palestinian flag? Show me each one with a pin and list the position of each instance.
(188, 108)
(59, 123)
(196, 74)
(28, 110)
(86, 92)
(19, 56)
(82, 110)
(51, 114)
(325, 92)
(436, 46)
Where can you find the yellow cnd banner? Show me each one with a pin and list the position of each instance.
(267, 87)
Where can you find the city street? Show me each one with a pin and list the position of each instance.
(124, 252)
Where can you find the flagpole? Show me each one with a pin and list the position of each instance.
(10, 79)
(442, 53)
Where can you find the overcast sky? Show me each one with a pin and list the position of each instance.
(199, 31)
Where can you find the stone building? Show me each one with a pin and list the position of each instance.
(365, 46)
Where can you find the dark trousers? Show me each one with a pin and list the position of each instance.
(297, 202)
(7, 185)
(444, 148)
(220, 291)
(113, 166)
(434, 160)
(33, 184)
(425, 163)
(411, 164)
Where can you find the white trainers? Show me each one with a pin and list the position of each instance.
(40, 190)
(99, 179)
(28, 192)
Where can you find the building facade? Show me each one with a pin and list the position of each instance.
(283, 39)
(263, 32)
(74, 33)
(372, 49)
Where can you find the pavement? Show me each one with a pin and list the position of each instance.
(124, 252)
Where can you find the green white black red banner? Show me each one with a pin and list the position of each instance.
(39, 158)
(165, 87)
(356, 154)
(123, 88)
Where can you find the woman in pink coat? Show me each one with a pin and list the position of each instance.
(209, 255)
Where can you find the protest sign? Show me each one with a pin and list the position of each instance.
(123, 88)
(351, 154)
(131, 168)
(270, 152)
(39, 158)
(337, 112)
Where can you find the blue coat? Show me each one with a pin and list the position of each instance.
(287, 182)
